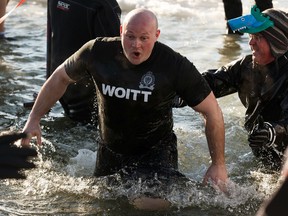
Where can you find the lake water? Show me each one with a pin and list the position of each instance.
(62, 184)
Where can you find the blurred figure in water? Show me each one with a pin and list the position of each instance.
(277, 203)
(3, 5)
(14, 159)
(233, 9)
(261, 80)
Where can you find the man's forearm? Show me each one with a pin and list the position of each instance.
(52, 90)
(215, 133)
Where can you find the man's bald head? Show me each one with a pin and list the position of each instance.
(141, 13)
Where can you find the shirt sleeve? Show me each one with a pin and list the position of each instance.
(190, 84)
(76, 64)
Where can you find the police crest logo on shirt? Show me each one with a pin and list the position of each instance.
(147, 81)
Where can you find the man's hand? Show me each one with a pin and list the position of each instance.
(32, 128)
(217, 175)
(12, 158)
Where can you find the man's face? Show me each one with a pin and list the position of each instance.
(260, 49)
(138, 37)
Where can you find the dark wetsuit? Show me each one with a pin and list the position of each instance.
(71, 23)
(263, 91)
(135, 102)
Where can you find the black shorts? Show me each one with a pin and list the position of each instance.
(161, 158)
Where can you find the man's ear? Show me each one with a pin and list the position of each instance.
(157, 33)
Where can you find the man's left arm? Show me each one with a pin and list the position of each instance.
(215, 134)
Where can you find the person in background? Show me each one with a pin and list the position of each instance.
(261, 81)
(70, 24)
(137, 79)
(3, 5)
(233, 9)
(13, 159)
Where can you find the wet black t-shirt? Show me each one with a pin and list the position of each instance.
(135, 101)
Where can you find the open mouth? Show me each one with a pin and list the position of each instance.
(137, 54)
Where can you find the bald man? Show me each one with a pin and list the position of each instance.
(136, 80)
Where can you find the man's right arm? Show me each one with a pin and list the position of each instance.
(52, 90)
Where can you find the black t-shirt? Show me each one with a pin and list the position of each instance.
(135, 101)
